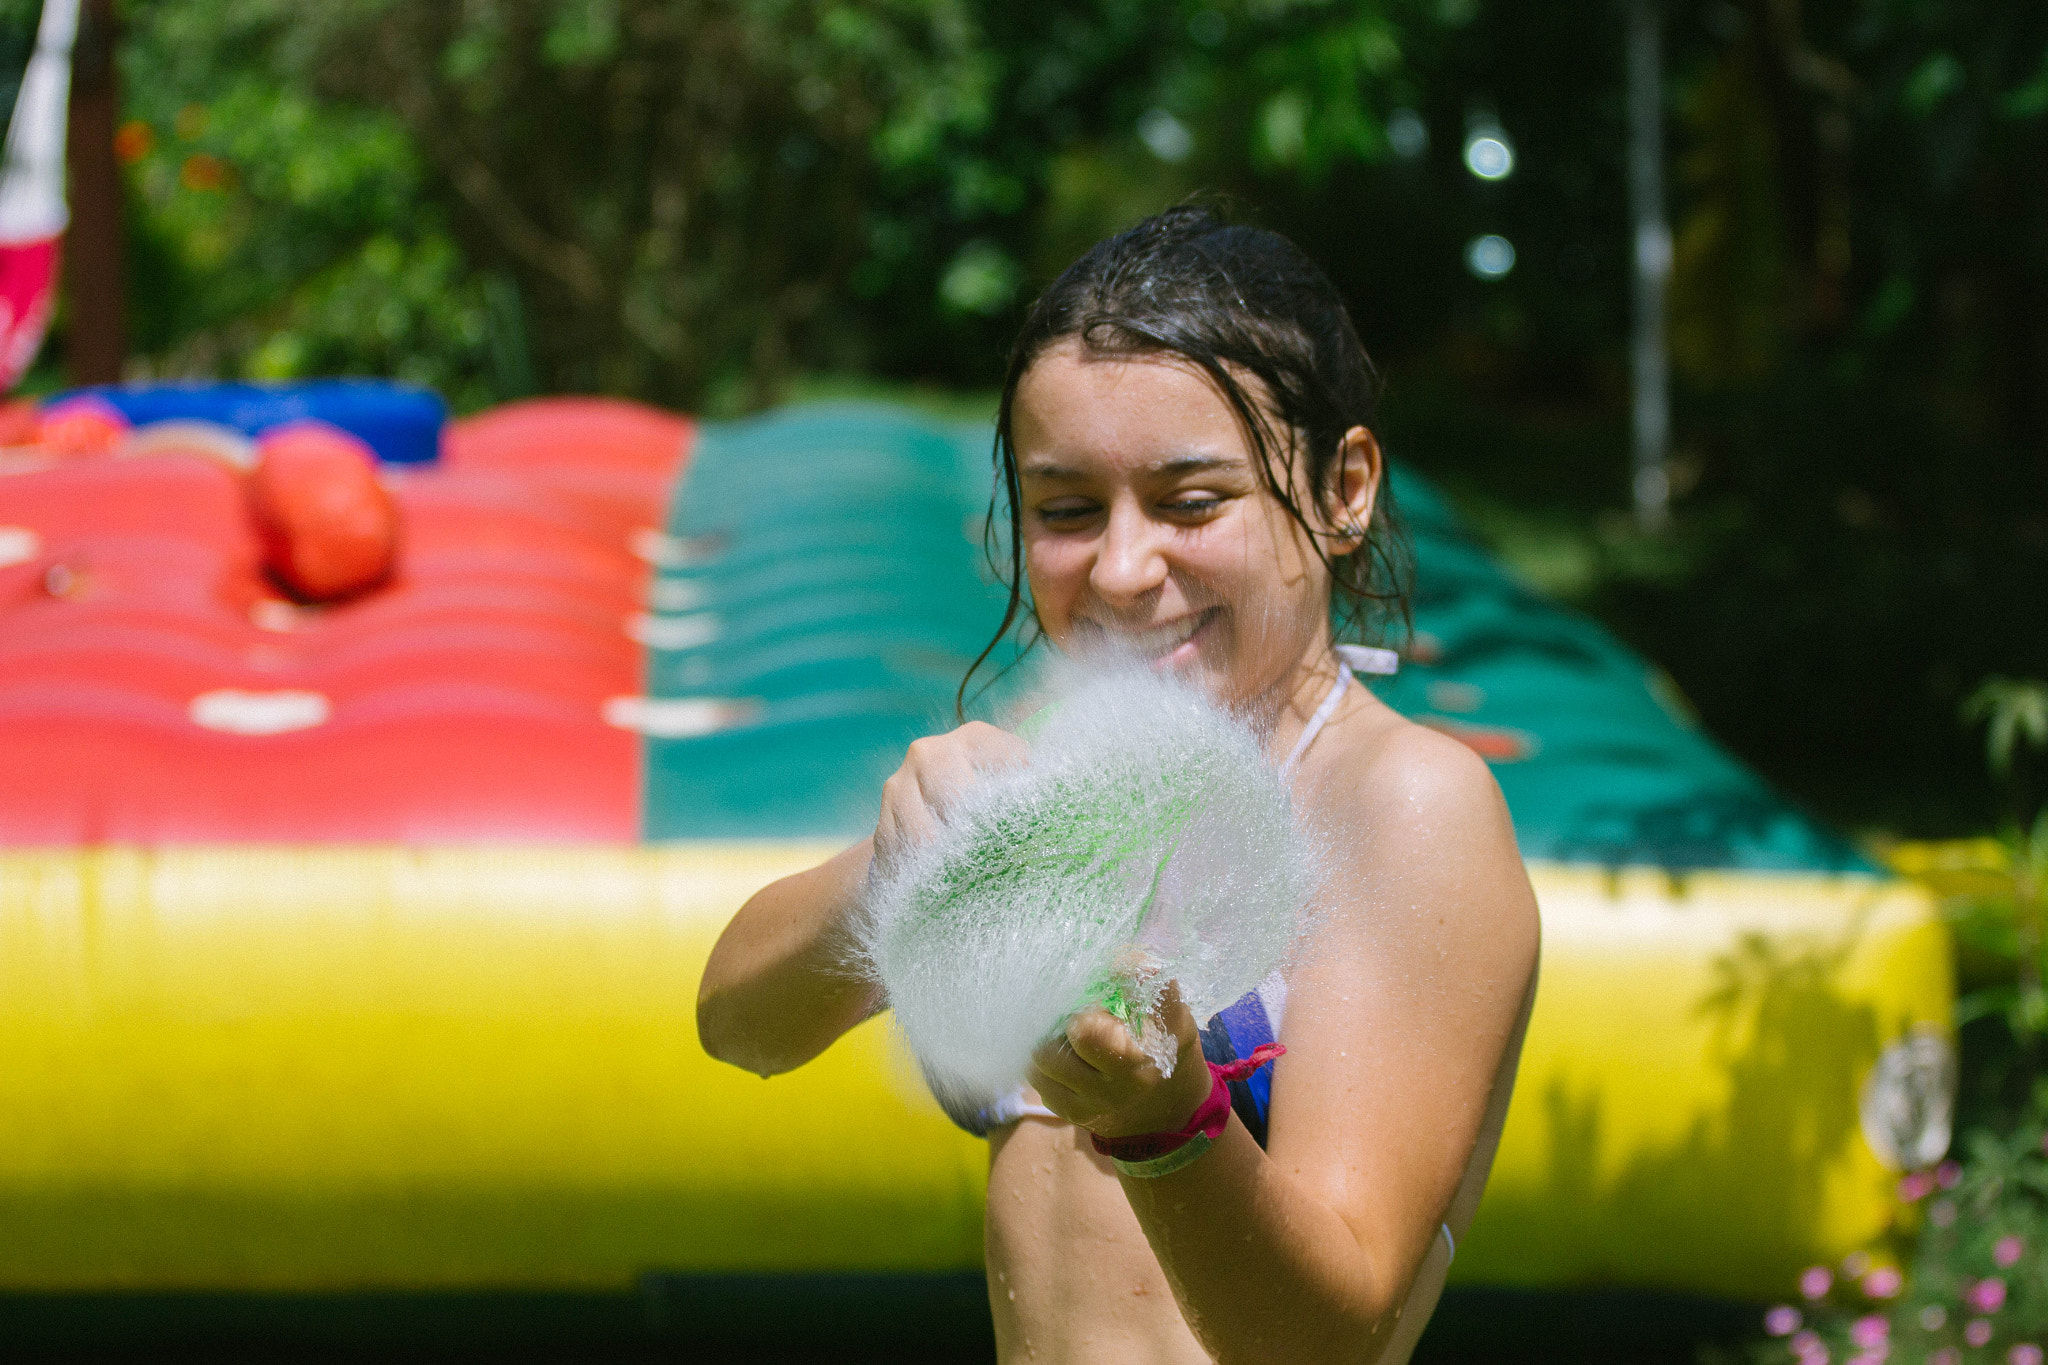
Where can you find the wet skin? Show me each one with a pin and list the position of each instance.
(1146, 521)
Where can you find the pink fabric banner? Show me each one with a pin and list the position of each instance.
(28, 278)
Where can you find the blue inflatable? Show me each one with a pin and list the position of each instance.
(401, 422)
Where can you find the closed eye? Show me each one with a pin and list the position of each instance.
(1067, 514)
(1071, 513)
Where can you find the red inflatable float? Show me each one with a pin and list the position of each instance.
(437, 672)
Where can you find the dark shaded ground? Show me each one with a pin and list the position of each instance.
(750, 1321)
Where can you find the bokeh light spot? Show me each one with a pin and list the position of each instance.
(1489, 155)
(1490, 257)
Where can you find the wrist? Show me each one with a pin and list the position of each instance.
(1148, 1156)
(1194, 1084)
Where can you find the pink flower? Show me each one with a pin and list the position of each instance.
(1915, 1186)
(2025, 1353)
(1807, 1343)
(1782, 1321)
(1870, 1331)
(2007, 1251)
(1815, 1281)
(1883, 1282)
(1976, 1332)
(1947, 1355)
(1932, 1317)
(1948, 1175)
(1854, 1264)
(1986, 1296)
(1941, 1212)
(1874, 1356)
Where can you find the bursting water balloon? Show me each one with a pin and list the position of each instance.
(1147, 840)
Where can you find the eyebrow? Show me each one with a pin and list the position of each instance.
(1179, 464)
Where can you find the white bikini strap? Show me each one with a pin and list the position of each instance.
(1316, 723)
(1364, 659)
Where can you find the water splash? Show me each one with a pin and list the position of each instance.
(1148, 840)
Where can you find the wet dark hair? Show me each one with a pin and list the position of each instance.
(1263, 322)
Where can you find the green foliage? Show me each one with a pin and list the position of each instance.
(569, 195)
(689, 202)
(2002, 930)
(2014, 713)
(1962, 1276)
(1861, 346)
(1973, 1287)
(275, 234)
(2004, 923)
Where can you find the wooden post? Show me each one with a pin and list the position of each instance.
(96, 331)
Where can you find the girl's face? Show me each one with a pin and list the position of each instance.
(1147, 526)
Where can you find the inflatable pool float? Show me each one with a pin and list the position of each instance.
(353, 946)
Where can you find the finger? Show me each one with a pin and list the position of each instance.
(1057, 1097)
(1100, 1041)
(944, 781)
(995, 750)
(986, 753)
(1174, 1013)
(908, 815)
(938, 764)
(1057, 1058)
(953, 765)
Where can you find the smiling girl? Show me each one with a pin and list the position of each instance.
(1185, 445)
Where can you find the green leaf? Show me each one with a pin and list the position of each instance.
(584, 33)
(1985, 1003)
(1934, 81)
(2013, 713)
(981, 279)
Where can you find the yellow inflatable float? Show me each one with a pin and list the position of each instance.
(336, 1069)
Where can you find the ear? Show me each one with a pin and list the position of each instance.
(1356, 487)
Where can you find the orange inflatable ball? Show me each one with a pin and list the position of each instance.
(20, 422)
(328, 527)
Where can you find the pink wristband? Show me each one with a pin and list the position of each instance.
(1208, 1120)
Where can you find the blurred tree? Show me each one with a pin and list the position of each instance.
(674, 188)
(686, 201)
(274, 233)
(1861, 332)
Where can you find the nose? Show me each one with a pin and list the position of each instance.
(1130, 561)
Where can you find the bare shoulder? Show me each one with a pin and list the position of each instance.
(1414, 817)
(1387, 772)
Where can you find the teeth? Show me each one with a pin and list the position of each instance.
(1162, 639)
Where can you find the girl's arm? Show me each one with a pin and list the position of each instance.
(782, 982)
(1401, 1026)
(780, 985)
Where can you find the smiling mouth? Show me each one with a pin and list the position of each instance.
(1156, 642)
